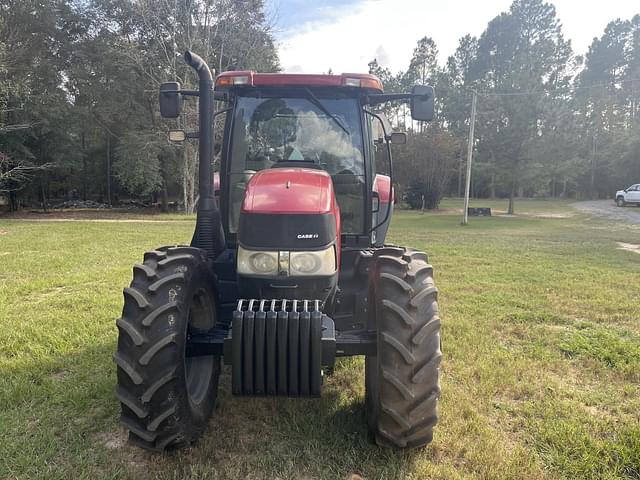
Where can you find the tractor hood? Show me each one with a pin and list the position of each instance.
(289, 209)
(289, 214)
(290, 191)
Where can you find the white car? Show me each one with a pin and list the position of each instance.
(629, 196)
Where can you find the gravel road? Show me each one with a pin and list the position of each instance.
(608, 209)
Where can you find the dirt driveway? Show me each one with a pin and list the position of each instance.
(608, 209)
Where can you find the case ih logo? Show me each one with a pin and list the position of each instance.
(304, 236)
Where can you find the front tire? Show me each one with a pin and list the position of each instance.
(620, 202)
(166, 397)
(402, 380)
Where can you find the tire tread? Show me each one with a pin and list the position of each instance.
(402, 401)
(151, 389)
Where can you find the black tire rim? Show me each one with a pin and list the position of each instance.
(199, 370)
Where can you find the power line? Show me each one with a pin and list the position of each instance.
(542, 92)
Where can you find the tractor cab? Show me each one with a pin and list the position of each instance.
(298, 168)
(300, 121)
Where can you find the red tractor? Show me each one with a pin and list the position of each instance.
(287, 268)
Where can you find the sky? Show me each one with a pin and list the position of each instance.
(345, 35)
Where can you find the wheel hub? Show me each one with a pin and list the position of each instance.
(199, 370)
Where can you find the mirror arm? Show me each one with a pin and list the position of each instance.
(187, 93)
(378, 98)
(219, 96)
(215, 114)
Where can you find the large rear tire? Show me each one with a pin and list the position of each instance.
(402, 380)
(166, 397)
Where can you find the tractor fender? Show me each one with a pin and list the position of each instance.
(387, 195)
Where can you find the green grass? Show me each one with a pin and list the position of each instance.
(523, 206)
(540, 379)
(616, 350)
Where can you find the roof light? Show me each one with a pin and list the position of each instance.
(362, 83)
(223, 82)
(244, 80)
(352, 82)
(232, 80)
(371, 83)
(249, 79)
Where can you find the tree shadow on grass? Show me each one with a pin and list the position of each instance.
(292, 438)
(68, 410)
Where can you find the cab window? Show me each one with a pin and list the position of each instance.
(273, 130)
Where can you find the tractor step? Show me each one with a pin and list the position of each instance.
(278, 347)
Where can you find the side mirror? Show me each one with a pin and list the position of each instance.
(170, 100)
(398, 138)
(422, 103)
(177, 136)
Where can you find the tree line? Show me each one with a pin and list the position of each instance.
(79, 82)
(550, 122)
(79, 116)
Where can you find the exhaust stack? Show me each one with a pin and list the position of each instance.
(209, 234)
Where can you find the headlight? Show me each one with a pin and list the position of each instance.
(315, 263)
(305, 263)
(321, 262)
(257, 263)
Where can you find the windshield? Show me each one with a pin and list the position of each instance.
(310, 132)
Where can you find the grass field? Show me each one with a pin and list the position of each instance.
(541, 369)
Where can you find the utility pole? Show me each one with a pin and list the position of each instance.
(472, 124)
(594, 160)
(109, 168)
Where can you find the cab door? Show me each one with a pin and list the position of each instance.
(633, 194)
